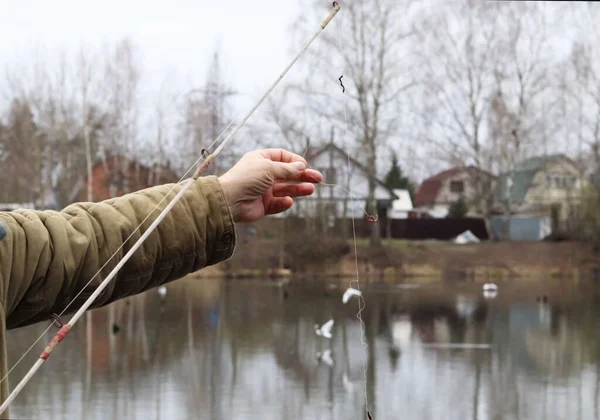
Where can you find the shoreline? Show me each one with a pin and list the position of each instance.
(394, 262)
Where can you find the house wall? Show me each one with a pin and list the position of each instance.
(354, 180)
(446, 197)
(345, 178)
(544, 192)
(138, 179)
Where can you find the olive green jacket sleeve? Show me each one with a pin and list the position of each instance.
(48, 257)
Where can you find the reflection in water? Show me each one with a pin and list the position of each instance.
(241, 350)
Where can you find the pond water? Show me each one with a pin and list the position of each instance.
(248, 350)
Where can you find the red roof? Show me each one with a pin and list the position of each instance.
(428, 190)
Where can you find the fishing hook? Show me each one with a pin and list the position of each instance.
(343, 88)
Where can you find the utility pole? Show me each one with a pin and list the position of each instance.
(215, 94)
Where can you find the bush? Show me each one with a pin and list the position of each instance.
(586, 226)
(458, 209)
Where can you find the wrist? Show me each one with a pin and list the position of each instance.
(228, 193)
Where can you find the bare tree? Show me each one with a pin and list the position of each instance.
(122, 77)
(522, 85)
(289, 123)
(580, 85)
(458, 59)
(370, 46)
(207, 115)
(23, 147)
(26, 140)
(92, 117)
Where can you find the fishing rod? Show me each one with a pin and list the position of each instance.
(208, 158)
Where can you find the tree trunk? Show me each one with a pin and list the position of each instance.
(375, 234)
(372, 210)
(282, 245)
(88, 160)
(506, 223)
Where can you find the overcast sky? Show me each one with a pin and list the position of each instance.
(176, 38)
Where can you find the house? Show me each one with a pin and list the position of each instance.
(346, 186)
(117, 175)
(437, 193)
(401, 207)
(542, 194)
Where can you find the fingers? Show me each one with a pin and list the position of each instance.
(279, 205)
(287, 171)
(311, 175)
(295, 171)
(281, 155)
(293, 190)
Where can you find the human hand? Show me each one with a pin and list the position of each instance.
(265, 182)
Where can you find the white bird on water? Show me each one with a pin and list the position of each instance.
(490, 287)
(490, 290)
(162, 292)
(325, 330)
(349, 293)
(325, 357)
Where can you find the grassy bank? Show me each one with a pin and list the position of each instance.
(397, 259)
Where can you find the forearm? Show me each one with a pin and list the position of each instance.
(55, 254)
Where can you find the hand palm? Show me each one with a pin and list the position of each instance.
(265, 183)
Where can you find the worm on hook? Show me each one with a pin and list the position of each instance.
(369, 415)
(372, 219)
(343, 88)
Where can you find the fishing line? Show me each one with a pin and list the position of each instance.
(361, 301)
(354, 197)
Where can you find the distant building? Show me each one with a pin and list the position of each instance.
(117, 175)
(402, 206)
(436, 194)
(543, 193)
(343, 174)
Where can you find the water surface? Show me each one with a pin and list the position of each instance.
(247, 350)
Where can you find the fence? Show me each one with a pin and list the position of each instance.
(413, 229)
(418, 229)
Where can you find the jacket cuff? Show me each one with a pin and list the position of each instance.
(220, 232)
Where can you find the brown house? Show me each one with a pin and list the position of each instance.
(117, 175)
(437, 193)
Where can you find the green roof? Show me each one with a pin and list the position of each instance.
(536, 163)
(522, 180)
(522, 175)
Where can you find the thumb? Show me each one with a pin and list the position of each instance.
(284, 171)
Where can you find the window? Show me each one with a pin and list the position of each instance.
(563, 181)
(457, 187)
